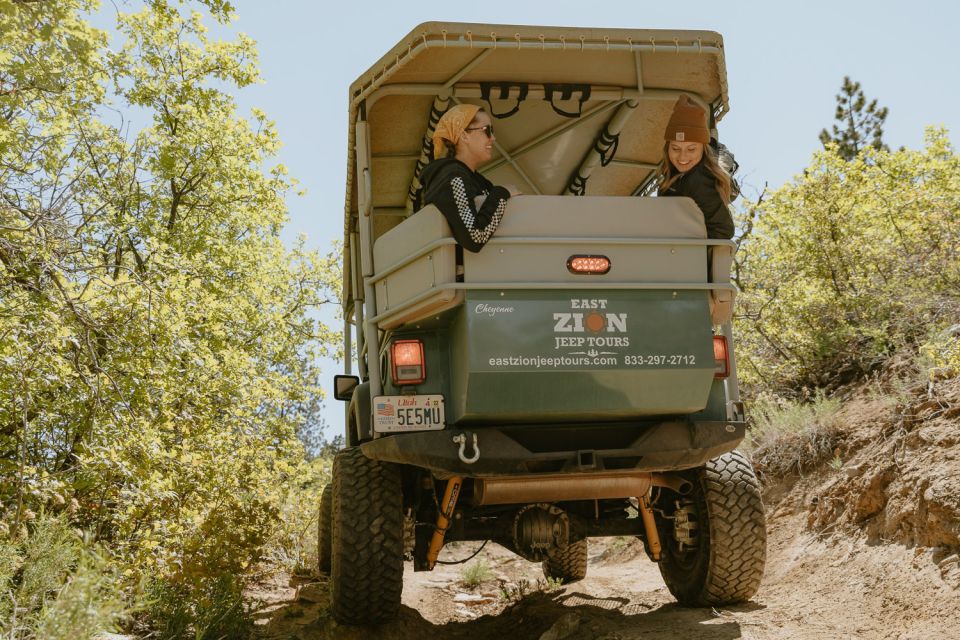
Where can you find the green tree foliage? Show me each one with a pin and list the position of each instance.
(859, 123)
(851, 261)
(157, 347)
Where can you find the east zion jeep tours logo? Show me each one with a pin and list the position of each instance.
(590, 317)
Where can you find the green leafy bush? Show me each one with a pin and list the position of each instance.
(293, 546)
(942, 352)
(848, 263)
(158, 344)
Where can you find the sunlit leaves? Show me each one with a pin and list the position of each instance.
(157, 340)
(851, 261)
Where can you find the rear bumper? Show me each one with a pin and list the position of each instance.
(504, 451)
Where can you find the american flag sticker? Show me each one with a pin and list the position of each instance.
(385, 409)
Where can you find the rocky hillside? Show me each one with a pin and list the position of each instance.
(900, 478)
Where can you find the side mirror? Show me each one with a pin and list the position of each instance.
(343, 386)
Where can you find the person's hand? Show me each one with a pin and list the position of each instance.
(513, 190)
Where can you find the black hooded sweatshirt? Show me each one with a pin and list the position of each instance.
(453, 188)
(700, 185)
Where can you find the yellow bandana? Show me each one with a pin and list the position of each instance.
(451, 127)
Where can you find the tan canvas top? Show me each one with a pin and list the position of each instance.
(612, 148)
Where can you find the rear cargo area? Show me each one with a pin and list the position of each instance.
(532, 341)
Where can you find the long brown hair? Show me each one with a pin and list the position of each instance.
(667, 174)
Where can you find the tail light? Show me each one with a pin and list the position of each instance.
(588, 265)
(408, 364)
(721, 357)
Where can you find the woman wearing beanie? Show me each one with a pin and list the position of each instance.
(690, 168)
(472, 205)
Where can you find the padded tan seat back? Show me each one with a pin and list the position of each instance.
(535, 239)
(419, 277)
(592, 225)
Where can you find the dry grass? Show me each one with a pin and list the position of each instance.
(522, 588)
(787, 436)
(476, 573)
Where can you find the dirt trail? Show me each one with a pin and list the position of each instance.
(870, 549)
(813, 589)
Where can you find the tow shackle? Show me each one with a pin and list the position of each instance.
(461, 439)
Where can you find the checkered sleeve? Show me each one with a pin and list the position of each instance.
(479, 224)
(456, 195)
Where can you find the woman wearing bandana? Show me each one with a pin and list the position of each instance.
(472, 205)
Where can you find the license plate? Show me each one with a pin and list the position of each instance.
(407, 413)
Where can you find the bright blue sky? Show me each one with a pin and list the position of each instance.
(785, 63)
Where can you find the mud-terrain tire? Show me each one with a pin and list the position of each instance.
(366, 568)
(323, 529)
(726, 564)
(569, 564)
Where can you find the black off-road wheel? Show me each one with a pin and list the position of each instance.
(569, 564)
(719, 559)
(324, 544)
(366, 568)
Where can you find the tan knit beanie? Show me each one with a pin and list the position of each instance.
(688, 123)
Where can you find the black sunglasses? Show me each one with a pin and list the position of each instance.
(487, 129)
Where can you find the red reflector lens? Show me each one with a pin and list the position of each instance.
(590, 265)
(721, 357)
(407, 360)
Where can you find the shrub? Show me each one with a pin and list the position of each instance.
(90, 602)
(56, 587)
(476, 573)
(942, 353)
(293, 545)
(789, 436)
(211, 609)
(849, 263)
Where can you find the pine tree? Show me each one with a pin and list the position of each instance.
(859, 123)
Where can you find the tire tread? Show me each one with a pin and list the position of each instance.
(324, 529)
(736, 533)
(568, 564)
(367, 542)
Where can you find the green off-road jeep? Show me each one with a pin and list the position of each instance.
(575, 378)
